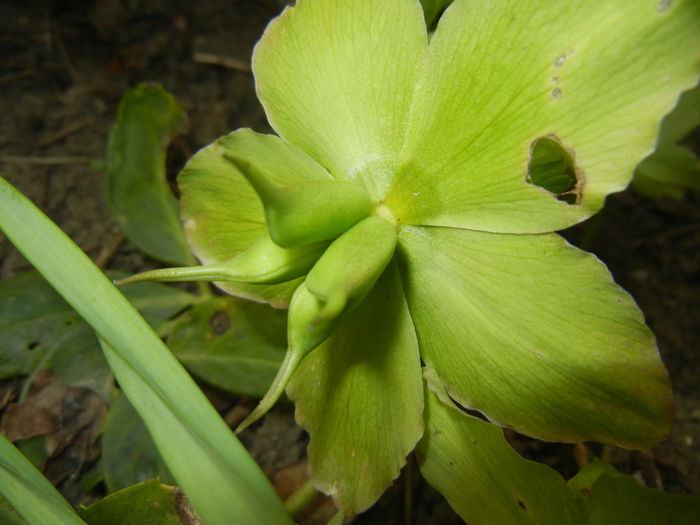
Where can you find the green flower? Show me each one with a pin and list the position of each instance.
(417, 182)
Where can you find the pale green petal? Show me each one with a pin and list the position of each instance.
(336, 79)
(223, 215)
(360, 396)
(533, 333)
(615, 498)
(484, 480)
(599, 75)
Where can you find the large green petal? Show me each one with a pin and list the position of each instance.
(360, 397)
(598, 75)
(612, 497)
(336, 79)
(222, 213)
(484, 480)
(533, 333)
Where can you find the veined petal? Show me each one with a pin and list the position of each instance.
(336, 78)
(533, 333)
(360, 396)
(223, 215)
(597, 76)
(484, 480)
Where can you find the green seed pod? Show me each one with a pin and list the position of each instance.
(351, 265)
(306, 213)
(264, 262)
(303, 335)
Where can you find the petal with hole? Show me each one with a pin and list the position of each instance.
(597, 75)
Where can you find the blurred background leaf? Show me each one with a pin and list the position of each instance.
(148, 503)
(129, 455)
(674, 167)
(40, 331)
(138, 191)
(8, 515)
(612, 497)
(234, 344)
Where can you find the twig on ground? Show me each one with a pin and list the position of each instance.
(215, 59)
(109, 250)
(18, 159)
(66, 131)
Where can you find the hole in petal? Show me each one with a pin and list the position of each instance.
(552, 167)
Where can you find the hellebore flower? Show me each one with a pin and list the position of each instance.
(416, 182)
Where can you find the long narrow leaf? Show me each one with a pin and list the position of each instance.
(210, 464)
(30, 493)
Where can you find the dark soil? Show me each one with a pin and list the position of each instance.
(63, 69)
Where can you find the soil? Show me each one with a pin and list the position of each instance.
(63, 69)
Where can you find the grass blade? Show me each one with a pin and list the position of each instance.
(30, 493)
(210, 464)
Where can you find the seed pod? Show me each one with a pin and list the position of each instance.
(306, 213)
(351, 265)
(263, 263)
(303, 335)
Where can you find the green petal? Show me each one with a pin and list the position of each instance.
(533, 333)
(222, 213)
(484, 480)
(360, 397)
(615, 498)
(337, 78)
(598, 75)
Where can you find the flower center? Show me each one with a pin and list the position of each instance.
(385, 213)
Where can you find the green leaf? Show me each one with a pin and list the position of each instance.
(669, 172)
(533, 333)
(614, 498)
(336, 79)
(684, 118)
(30, 493)
(432, 9)
(195, 442)
(222, 213)
(598, 75)
(129, 455)
(8, 515)
(359, 395)
(35, 450)
(39, 330)
(484, 480)
(149, 503)
(33, 319)
(233, 344)
(672, 168)
(137, 189)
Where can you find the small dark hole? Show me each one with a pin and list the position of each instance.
(220, 322)
(31, 346)
(521, 504)
(586, 492)
(552, 167)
